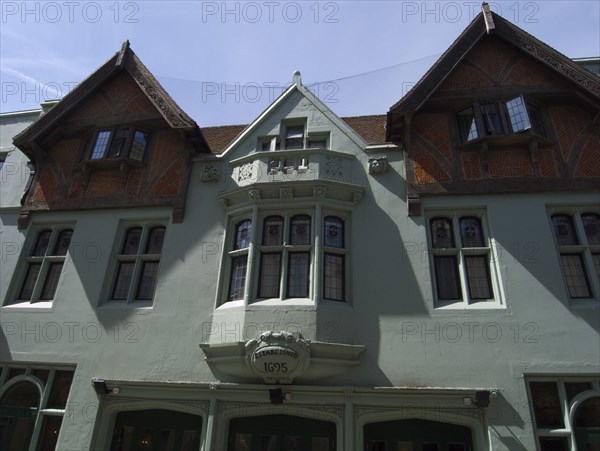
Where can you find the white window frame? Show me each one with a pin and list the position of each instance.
(568, 408)
(459, 251)
(45, 261)
(316, 249)
(584, 249)
(43, 411)
(138, 259)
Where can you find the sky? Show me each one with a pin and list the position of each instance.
(225, 62)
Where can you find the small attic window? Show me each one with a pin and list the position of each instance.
(124, 142)
(499, 117)
(294, 137)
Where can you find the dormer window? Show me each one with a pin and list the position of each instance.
(498, 117)
(294, 137)
(124, 142)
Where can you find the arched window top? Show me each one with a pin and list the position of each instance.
(591, 225)
(564, 230)
(441, 233)
(243, 234)
(273, 231)
(155, 240)
(333, 232)
(22, 394)
(470, 231)
(300, 229)
(131, 243)
(588, 413)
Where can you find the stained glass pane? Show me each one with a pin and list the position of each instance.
(54, 270)
(123, 281)
(63, 241)
(273, 231)
(131, 244)
(334, 232)
(441, 233)
(147, 281)
(41, 244)
(577, 282)
(470, 232)
(478, 277)
(270, 273)
(238, 277)
(546, 405)
(334, 277)
(564, 231)
(243, 234)
(300, 230)
(298, 274)
(166, 440)
(155, 240)
(591, 225)
(446, 277)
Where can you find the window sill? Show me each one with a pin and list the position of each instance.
(28, 305)
(509, 140)
(122, 305)
(585, 303)
(491, 305)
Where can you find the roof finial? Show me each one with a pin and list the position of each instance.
(487, 17)
(297, 78)
(121, 56)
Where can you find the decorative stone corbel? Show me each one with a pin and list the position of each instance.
(253, 195)
(378, 165)
(210, 173)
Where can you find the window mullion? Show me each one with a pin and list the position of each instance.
(588, 262)
(462, 268)
(252, 273)
(317, 270)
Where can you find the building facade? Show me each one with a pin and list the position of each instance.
(425, 280)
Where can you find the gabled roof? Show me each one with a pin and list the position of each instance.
(370, 128)
(297, 86)
(123, 60)
(488, 22)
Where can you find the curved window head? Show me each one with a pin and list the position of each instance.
(300, 230)
(470, 232)
(564, 230)
(333, 232)
(243, 234)
(273, 231)
(441, 233)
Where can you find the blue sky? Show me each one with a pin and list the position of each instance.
(224, 62)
